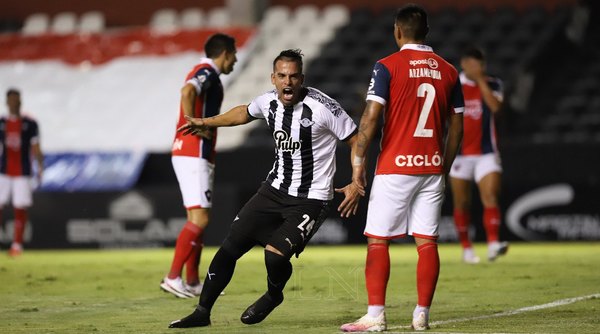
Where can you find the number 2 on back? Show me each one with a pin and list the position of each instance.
(428, 92)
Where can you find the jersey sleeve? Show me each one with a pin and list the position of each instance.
(255, 108)
(340, 123)
(202, 79)
(34, 133)
(379, 87)
(457, 99)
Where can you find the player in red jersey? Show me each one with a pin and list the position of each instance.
(420, 96)
(19, 140)
(193, 160)
(478, 159)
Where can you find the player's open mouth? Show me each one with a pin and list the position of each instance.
(288, 93)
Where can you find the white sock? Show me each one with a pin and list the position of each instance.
(375, 310)
(419, 309)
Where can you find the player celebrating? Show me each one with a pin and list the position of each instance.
(19, 140)
(478, 159)
(193, 159)
(420, 93)
(293, 201)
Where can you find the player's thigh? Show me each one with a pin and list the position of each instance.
(389, 206)
(195, 177)
(426, 207)
(301, 221)
(5, 187)
(22, 192)
(461, 193)
(257, 219)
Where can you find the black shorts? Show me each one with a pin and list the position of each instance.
(272, 217)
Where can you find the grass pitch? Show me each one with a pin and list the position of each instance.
(116, 291)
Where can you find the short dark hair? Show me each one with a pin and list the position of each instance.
(294, 55)
(218, 43)
(473, 51)
(412, 20)
(12, 91)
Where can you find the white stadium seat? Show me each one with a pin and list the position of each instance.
(36, 24)
(64, 23)
(164, 21)
(91, 22)
(192, 18)
(218, 18)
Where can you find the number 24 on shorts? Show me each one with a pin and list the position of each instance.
(306, 225)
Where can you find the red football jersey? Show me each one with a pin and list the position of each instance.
(479, 129)
(17, 134)
(205, 77)
(420, 90)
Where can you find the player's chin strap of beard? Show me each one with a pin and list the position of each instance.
(319, 221)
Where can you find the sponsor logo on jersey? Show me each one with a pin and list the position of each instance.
(473, 109)
(13, 141)
(284, 142)
(418, 160)
(432, 63)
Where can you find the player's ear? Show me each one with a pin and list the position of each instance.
(397, 32)
(273, 78)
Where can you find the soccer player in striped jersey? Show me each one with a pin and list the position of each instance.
(419, 95)
(193, 159)
(478, 159)
(19, 142)
(294, 200)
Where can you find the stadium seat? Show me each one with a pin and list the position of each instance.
(164, 21)
(36, 24)
(91, 22)
(335, 15)
(64, 23)
(218, 18)
(192, 18)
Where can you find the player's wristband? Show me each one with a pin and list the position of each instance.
(358, 161)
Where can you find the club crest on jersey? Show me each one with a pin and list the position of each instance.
(285, 142)
(305, 122)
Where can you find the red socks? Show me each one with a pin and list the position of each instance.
(462, 219)
(428, 269)
(491, 223)
(377, 272)
(186, 241)
(193, 261)
(20, 221)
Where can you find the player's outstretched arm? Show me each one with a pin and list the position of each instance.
(235, 116)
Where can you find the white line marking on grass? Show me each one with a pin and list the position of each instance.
(555, 303)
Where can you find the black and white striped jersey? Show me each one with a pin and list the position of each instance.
(305, 138)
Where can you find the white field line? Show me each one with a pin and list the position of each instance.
(555, 303)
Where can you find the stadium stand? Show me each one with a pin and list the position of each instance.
(341, 45)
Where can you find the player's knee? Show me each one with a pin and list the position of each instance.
(275, 260)
(233, 248)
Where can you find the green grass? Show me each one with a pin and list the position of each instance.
(116, 291)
